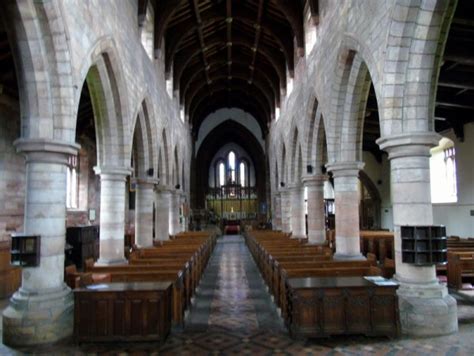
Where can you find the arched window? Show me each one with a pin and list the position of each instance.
(221, 174)
(243, 174)
(231, 165)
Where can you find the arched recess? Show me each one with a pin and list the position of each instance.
(296, 158)
(112, 103)
(143, 149)
(228, 131)
(164, 168)
(176, 173)
(355, 72)
(317, 153)
(37, 36)
(284, 173)
(352, 108)
(370, 212)
(410, 88)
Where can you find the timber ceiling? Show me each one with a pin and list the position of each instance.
(228, 53)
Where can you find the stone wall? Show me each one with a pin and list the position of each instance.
(12, 171)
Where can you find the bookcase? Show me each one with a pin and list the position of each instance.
(25, 250)
(424, 245)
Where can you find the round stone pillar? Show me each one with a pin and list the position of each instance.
(316, 218)
(346, 180)
(41, 311)
(276, 221)
(162, 210)
(425, 306)
(297, 211)
(285, 210)
(144, 197)
(112, 214)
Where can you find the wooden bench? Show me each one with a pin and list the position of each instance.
(460, 266)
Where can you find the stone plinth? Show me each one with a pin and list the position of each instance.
(346, 180)
(112, 214)
(316, 218)
(425, 306)
(41, 311)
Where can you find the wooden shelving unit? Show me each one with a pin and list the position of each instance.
(424, 245)
(25, 250)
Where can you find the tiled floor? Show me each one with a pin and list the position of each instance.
(233, 314)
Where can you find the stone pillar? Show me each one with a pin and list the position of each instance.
(297, 211)
(347, 209)
(162, 210)
(112, 214)
(316, 217)
(41, 311)
(276, 220)
(425, 306)
(285, 210)
(174, 227)
(144, 197)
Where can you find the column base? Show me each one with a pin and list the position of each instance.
(426, 309)
(343, 257)
(107, 262)
(38, 318)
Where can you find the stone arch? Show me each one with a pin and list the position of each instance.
(143, 143)
(296, 156)
(42, 60)
(113, 104)
(356, 67)
(411, 66)
(146, 126)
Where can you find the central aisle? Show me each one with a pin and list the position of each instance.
(232, 294)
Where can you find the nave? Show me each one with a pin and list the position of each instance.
(232, 313)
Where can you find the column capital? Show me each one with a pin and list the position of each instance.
(46, 150)
(295, 186)
(162, 188)
(314, 180)
(119, 172)
(409, 144)
(345, 169)
(145, 181)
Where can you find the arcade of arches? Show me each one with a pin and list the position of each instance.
(148, 118)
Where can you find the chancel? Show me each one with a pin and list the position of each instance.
(237, 176)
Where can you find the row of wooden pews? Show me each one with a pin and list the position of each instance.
(180, 261)
(298, 273)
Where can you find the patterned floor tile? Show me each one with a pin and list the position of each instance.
(232, 314)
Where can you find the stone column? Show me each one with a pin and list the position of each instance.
(174, 212)
(112, 214)
(425, 306)
(297, 211)
(285, 210)
(316, 217)
(144, 197)
(347, 209)
(41, 311)
(162, 210)
(276, 220)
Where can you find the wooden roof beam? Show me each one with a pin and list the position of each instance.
(294, 14)
(164, 10)
(257, 38)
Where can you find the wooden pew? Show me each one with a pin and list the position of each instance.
(460, 265)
